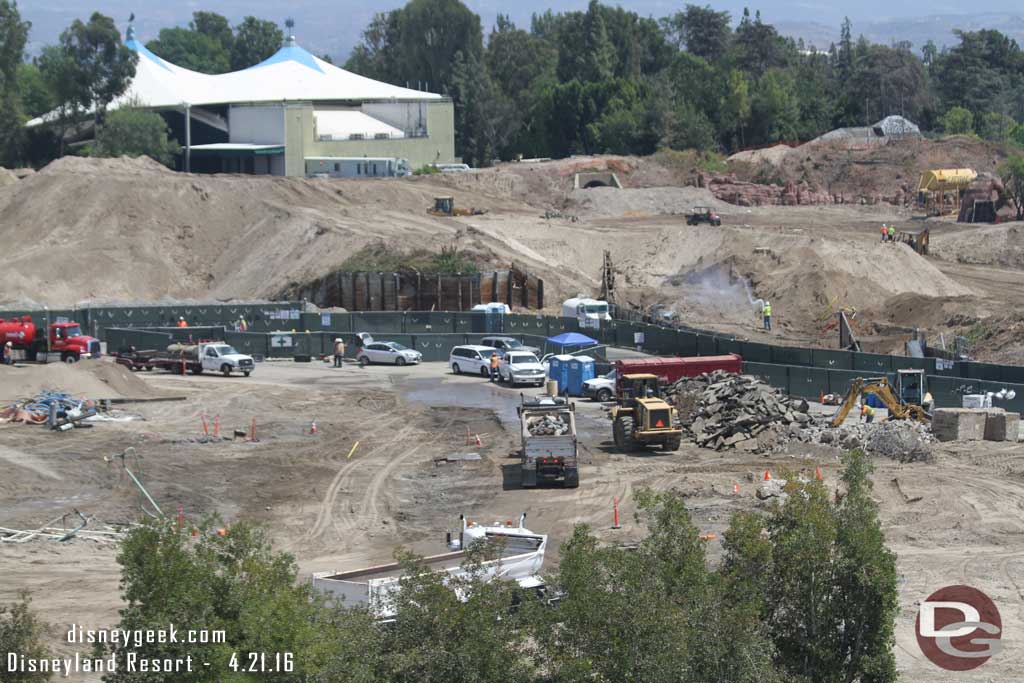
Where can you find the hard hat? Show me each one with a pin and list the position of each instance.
(337, 340)
(181, 317)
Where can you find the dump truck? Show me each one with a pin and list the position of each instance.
(520, 555)
(642, 417)
(65, 341)
(215, 356)
(549, 441)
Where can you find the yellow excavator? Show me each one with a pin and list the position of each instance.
(445, 206)
(641, 416)
(880, 387)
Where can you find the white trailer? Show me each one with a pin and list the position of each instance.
(520, 560)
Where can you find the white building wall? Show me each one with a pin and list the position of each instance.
(409, 117)
(261, 125)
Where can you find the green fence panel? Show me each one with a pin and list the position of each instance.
(839, 381)
(945, 391)
(122, 339)
(872, 363)
(993, 373)
(686, 343)
(775, 375)
(467, 323)
(807, 382)
(832, 360)
(433, 322)
(517, 323)
(382, 321)
(706, 345)
(436, 347)
(908, 363)
(558, 325)
(251, 343)
(724, 346)
(756, 352)
(790, 355)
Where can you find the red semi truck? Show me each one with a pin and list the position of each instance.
(65, 339)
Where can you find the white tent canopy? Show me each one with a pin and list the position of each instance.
(290, 74)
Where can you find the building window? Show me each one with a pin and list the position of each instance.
(337, 167)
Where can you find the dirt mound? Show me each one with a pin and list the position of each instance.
(997, 245)
(88, 379)
(106, 166)
(868, 174)
(773, 155)
(652, 201)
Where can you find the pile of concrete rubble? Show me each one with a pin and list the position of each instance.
(724, 410)
(548, 425)
(903, 440)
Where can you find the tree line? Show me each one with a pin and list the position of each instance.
(603, 80)
(805, 591)
(608, 80)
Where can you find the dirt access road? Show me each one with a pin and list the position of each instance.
(332, 512)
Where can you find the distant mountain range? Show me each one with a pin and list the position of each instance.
(333, 27)
(918, 30)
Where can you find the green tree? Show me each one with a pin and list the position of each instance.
(957, 121)
(736, 107)
(215, 27)
(484, 117)
(701, 31)
(757, 46)
(775, 107)
(598, 57)
(134, 132)
(60, 75)
(101, 67)
(36, 96)
(439, 637)
(822, 578)
(255, 40)
(376, 56)
(1017, 135)
(13, 35)
(997, 126)
(238, 584)
(22, 633)
(191, 49)
(1012, 173)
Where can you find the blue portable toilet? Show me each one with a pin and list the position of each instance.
(581, 368)
(558, 370)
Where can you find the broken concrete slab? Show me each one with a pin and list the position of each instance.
(959, 424)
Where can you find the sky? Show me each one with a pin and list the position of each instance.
(334, 26)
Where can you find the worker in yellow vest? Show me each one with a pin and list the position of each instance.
(892, 234)
(766, 313)
(868, 413)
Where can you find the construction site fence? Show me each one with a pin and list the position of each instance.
(278, 321)
(812, 383)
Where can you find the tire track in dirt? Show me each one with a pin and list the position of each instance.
(325, 510)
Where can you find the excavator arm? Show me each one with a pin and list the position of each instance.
(881, 389)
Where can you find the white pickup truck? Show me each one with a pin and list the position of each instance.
(520, 559)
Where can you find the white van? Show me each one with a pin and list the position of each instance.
(472, 359)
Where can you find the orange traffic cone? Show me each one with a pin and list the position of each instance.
(817, 473)
(478, 441)
(735, 488)
(767, 476)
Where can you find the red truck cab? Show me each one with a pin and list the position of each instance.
(65, 338)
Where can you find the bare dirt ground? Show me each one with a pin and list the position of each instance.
(137, 232)
(333, 512)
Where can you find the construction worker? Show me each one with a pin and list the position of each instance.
(181, 322)
(868, 413)
(494, 366)
(7, 354)
(339, 352)
(885, 232)
(892, 234)
(766, 313)
(242, 325)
